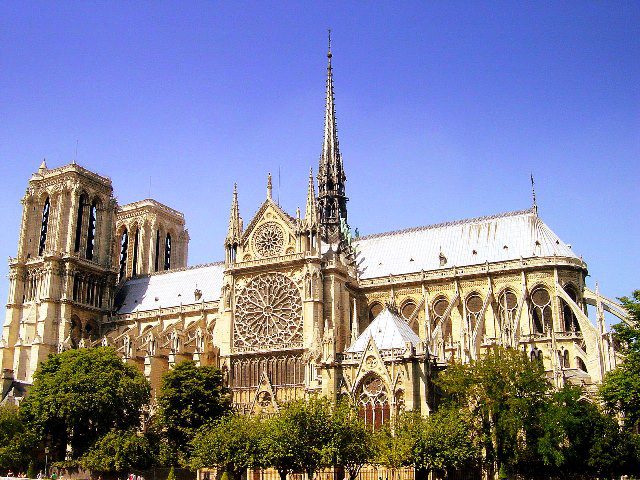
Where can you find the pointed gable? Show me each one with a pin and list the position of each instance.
(388, 331)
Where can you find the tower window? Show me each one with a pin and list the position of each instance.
(167, 252)
(81, 205)
(541, 311)
(157, 260)
(124, 245)
(136, 240)
(91, 231)
(44, 227)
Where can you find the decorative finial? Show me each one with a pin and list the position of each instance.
(269, 186)
(329, 50)
(43, 165)
(533, 195)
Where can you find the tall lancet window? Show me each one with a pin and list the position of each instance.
(124, 245)
(167, 252)
(44, 226)
(157, 260)
(91, 230)
(136, 242)
(81, 204)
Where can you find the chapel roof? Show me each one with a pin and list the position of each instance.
(389, 331)
(170, 288)
(495, 238)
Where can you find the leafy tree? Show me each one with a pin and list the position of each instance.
(505, 393)
(172, 474)
(298, 437)
(80, 395)
(118, 451)
(444, 441)
(190, 397)
(351, 441)
(231, 444)
(620, 389)
(393, 448)
(16, 442)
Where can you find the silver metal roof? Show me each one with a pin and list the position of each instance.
(508, 236)
(388, 330)
(171, 288)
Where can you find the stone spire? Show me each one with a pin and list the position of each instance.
(332, 200)
(269, 187)
(235, 223)
(311, 210)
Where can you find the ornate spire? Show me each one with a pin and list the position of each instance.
(311, 210)
(533, 195)
(269, 186)
(235, 223)
(332, 200)
(43, 165)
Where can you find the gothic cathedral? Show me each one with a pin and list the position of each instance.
(299, 305)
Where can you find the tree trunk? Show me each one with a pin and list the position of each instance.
(283, 474)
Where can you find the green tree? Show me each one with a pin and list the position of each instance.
(17, 443)
(80, 395)
(298, 437)
(444, 441)
(190, 397)
(505, 393)
(231, 444)
(351, 443)
(620, 389)
(118, 451)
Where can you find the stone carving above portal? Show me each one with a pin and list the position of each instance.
(268, 241)
(268, 314)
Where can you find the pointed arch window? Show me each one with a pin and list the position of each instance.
(124, 245)
(541, 311)
(81, 204)
(374, 311)
(136, 241)
(439, 309)
(91, 230)
(44, 226)
(569, 318)
(167, 252)
(157, 259)
(373, 400)
(474, 307)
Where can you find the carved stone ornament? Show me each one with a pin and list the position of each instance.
(268, 314)
(268, 240)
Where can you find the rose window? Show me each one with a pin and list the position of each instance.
(269, 239)
(268, 314)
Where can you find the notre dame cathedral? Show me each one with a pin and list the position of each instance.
(298, 305)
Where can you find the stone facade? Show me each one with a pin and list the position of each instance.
(298, 306)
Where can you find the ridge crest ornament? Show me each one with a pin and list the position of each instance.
(268, 240)
(268, 314)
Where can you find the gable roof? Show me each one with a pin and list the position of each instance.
(170, 288)
(388, 331)
(507, 236)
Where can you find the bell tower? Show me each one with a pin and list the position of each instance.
(62, 279)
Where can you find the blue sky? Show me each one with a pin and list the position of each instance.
(444, 109)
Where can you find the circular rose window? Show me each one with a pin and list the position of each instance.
(268, 314)
(268, 240)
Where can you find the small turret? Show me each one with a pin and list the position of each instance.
(235, 228)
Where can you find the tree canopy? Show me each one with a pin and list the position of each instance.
(79, 395)
(119, 451)
(190, 397)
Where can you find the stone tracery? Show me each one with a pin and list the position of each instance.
(269, 239)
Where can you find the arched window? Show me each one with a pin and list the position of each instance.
(474, 307)
(124, 245)
(507, 308)
(82, 202)
(157, 259)
(373, 402)
(44, 226)
(136, 242)
(374, 310)
(569, 318)
(91, 230)
(439, 308)
(541, 310)
(167, 252)
(408, 309)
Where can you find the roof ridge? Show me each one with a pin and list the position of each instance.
(175, 270)
(446, 224)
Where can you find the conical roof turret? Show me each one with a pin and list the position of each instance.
(235, 222)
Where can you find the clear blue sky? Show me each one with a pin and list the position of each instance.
(444, 109)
